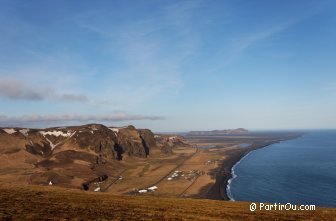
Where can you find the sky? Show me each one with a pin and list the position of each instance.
(168, 65)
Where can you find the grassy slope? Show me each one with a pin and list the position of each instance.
(52, 203)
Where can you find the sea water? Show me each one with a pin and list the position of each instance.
(298, 171)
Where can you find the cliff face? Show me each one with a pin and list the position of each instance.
(66, 154)
(107, 143)
(168, 142)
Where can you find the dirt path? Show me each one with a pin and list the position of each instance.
(113, 181)
(186, 189)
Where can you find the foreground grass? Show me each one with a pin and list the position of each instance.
(52, 203)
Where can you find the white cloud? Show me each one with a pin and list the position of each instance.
(17, 90)
(66, 119)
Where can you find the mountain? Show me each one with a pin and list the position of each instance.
(72, 155)
(239, 131)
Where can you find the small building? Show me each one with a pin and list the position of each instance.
(142, 191)
(153, 188)
(97, 189)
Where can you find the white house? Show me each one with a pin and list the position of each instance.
(97, 189)
(142, 191)
(152, 188)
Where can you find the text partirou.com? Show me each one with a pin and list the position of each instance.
(279, 206)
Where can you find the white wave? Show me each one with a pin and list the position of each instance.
(233, 176)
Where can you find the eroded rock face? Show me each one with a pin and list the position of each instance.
(132, 142)
(43, 149)
(167, 143)
(70, 155)
(98, 139)
(148, 137)
(107, 143)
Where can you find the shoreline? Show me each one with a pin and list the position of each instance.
(233, 176)
(219, 189)
(223, 186)
(224, 178)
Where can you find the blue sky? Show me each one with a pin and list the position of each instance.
(169, 65)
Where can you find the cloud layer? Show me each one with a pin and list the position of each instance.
(65, 119)
(16, 90)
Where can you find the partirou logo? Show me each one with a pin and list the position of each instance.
(278, 206)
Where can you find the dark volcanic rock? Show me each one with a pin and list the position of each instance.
(97, 138)
(76, 154)
(167, 142)
(136, 142)
(43, 149)
(107, 143)
(148, 137)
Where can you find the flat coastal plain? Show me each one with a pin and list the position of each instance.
(200, 171)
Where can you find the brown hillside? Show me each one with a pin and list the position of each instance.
(53, 203)
(70, 156)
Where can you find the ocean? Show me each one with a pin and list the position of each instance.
(298, 171)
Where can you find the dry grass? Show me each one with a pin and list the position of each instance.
(53, 203)
(144, 169)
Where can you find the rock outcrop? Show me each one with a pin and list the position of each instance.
(71, 156)
(60, 154)
(168, 142)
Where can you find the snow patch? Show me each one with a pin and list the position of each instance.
(115, 130)
(9, 130)
(24, 132)
(51, 144)
(58, 133)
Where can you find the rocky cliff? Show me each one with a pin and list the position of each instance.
(72, 154)
(106, 142)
